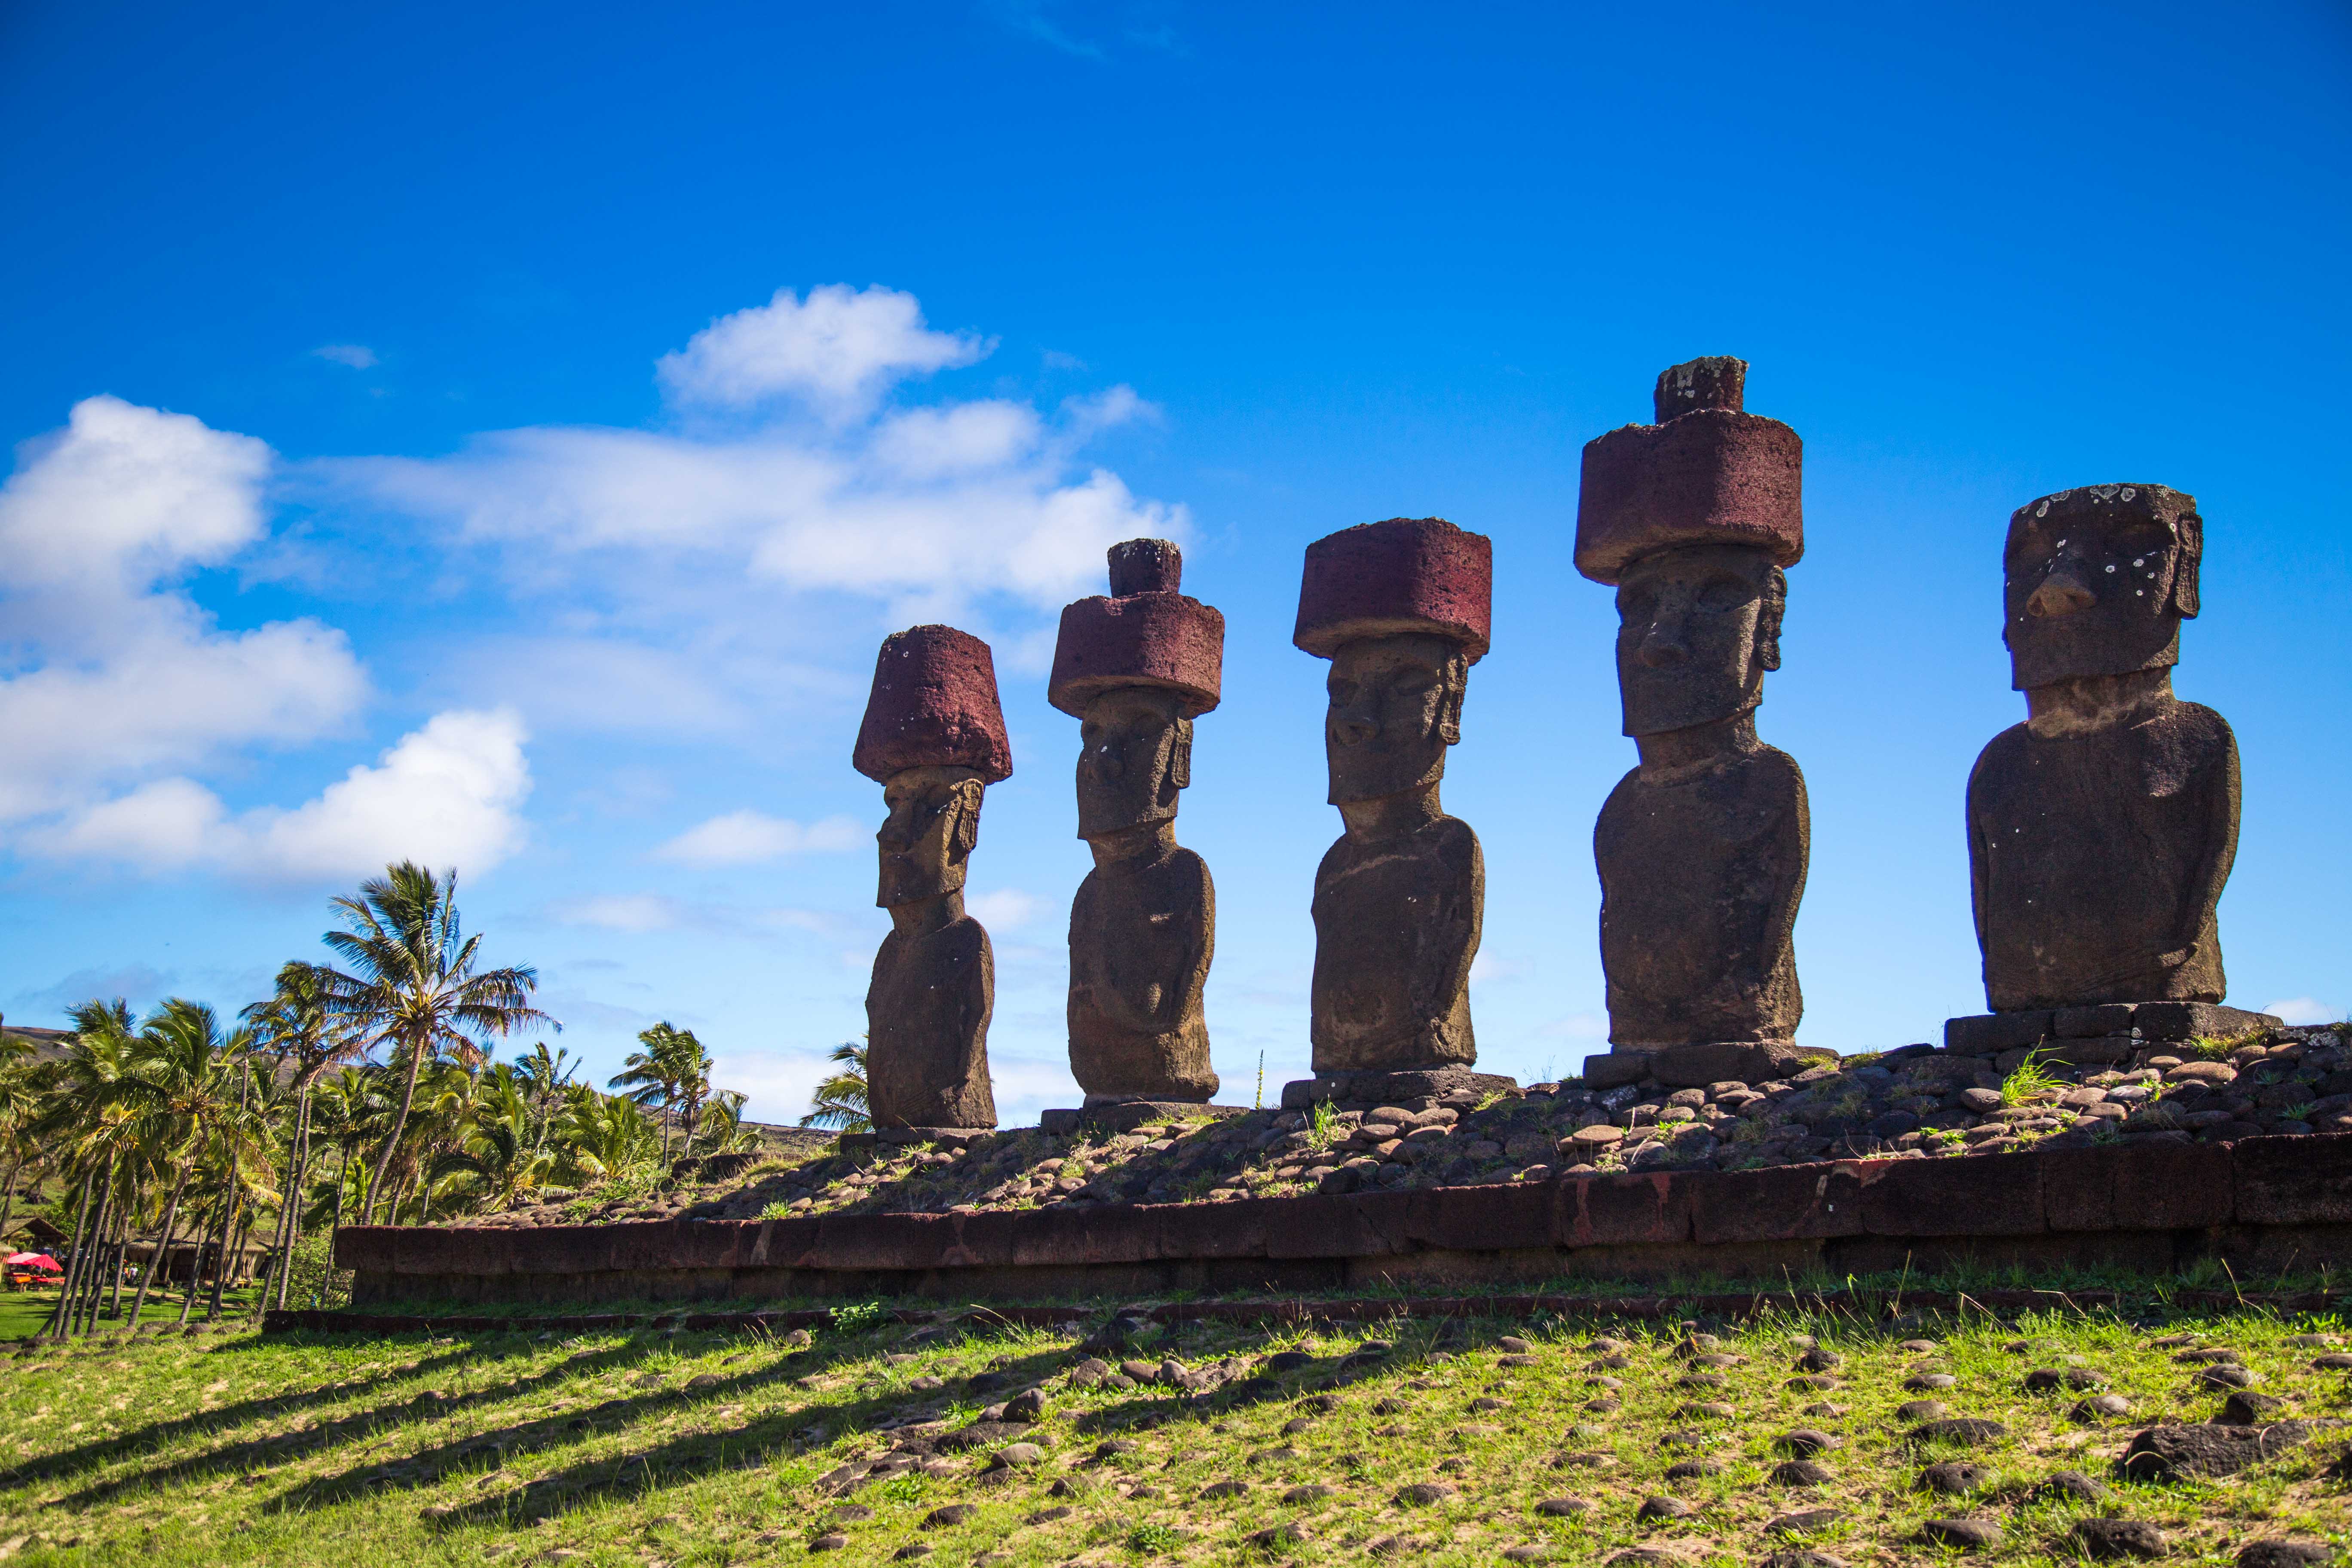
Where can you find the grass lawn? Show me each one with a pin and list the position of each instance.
(24, 1313)
(673, 1448)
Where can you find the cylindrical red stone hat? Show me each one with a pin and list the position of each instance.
(933, 705)
(1407, 575)
(1707, 473)
(1145, 634)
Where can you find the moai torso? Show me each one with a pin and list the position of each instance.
(927, 1016)
(1700, 879)
(2098, 860)
(1396, 927)
(1142, 934)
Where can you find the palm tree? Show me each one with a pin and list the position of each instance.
(839, 1103)
(412, 985)
(723, 1132)
(673, 1067)
(83, 1122)
(605, 1135)
(25, 1088)
(182, 1103)
(299, 1024)
(496, 1148)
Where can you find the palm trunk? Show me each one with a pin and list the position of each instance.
(121, 1250)
(196, 1272)
(81, 1319)
(229, 1205)
(294, 1195)
(9, 1193)
(162, 1247)
(399, 1125)
(73, 1262)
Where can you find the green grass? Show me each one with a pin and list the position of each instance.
(24, 1313)
(704, 1449)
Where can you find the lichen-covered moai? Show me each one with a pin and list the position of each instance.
(1136, 669)
(1702, 848)
(2101, 829)
(1402, 609)
(933, 737)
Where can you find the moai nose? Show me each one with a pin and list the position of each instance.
(1658, 652)
(2061, 593)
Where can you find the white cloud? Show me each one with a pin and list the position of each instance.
(448, 794)
(358, 356)
(778, 1084)
(750, 837)
(926, 509)
(2303, 1011)
(838, 350)
(1004, 909)
(636, 913)
(107, 670)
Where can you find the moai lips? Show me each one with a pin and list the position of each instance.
(1136, 669)
(1703, 847)
(1401, 608)
(2102, 829)
(933, 735)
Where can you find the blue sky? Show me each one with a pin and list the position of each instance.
(503, 434)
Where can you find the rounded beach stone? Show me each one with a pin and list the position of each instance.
(2099, 1407)
(1215, 1489)
(1561, 1506)
(2072, 1486)
(1819, 1360)
(946, 1518)
(1930, 1382)
(1965, 1533)
(1662, 1508)
(1694, 1469)
(1921, 1410)
(833, 1540)
(1801, 1473)
(1955, 1478)
(2120, 1538)
(1422, 1493)
(2226, 1377)
(1313, 1492)
(2284, 1553)
(1807, 1441)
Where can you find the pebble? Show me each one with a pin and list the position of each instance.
(1693, 1469)
(1048, 1515)
(1422, 1493)
(2072, 1486)
(2099, 1407)
(946, 1518)
(1524, 1553)
(1313, 1492)
(1561, 1506)
(2120, 1538)
(1819, 1360)
(912, 1551)
(1223, 1490)
(1921, 1410)
(1801, 1473)
(1919, 1347)
(1807, 1441)
(2337, 1363)
(1955, 1478)
(2226, 1377)
(2283, 1553)
(833, 1540)
(1930, 1382)
(1513, 1343)
(1963, 1532)
(1965, 1431)
(1662, 1508)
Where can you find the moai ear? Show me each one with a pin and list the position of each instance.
(965, 836)
(2187, 565)
(1179, 758)
(1775, 601)
(1449, 699)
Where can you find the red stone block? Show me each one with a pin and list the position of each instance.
(1607, 1211)
(2138, 1186)
(1477, 1219)
(2294, 1181)
(1408, 575)
(368, 1247)
(1782, 1204)
(1981, 1194)
(933, 705)
(1318, 1226)
(779, 1244)
(1710, 477)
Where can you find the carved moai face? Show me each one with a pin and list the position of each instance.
(1135, 752)
(2097, 582)
(934, 823)
(1396, 705)
(1697, 627)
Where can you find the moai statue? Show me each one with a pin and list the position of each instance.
(1402, 609)
(1136, 669)
(1701, 849)
(934, 739)
(2101, 829)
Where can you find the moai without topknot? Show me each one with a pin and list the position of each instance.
(1136, 669)
(1402, 609)
(933, 737)
(2101, 830)
(1702, 848)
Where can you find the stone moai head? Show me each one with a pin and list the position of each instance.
(2097, 581)
(1693, 521)
(933, 737)
(1402, 609)
(1136, 669)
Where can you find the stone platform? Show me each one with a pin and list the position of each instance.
(1710, 1062)
(2266, 1205)
(1127, 1115)
(904, 1137)
(2113, 1027)
(1459, 1087)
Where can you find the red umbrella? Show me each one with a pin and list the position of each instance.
(32, 1260)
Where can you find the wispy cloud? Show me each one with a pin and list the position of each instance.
(1027, 18)
(358, 356)
(752, 837)
(2305, 1012)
